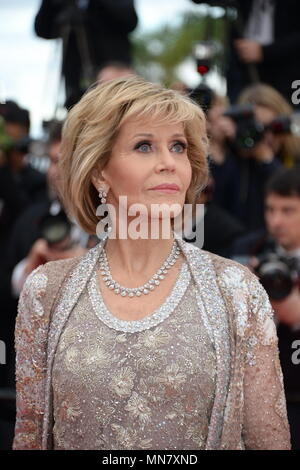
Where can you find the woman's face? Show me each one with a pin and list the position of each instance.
(145, 155)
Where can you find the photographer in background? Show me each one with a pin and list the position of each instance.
(272, 107)
(52, 235)
(248, 162)
(263, 140)
(224, 170)
(274, 255)
(20, 183)
(93, 32)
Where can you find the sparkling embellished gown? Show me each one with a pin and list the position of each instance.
(201, 372)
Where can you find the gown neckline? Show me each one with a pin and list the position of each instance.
(149, 321)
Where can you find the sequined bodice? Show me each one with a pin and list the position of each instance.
(146, 384)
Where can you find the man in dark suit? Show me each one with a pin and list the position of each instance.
(93, 32)
(264, 41)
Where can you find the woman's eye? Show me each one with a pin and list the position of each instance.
(146, 147)
(179, 147)
(143, 147)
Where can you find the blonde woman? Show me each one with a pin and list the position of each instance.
(143, 343)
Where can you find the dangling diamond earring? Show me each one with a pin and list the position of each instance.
(102, 195)
(106, 221)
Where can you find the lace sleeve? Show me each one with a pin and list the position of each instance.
(30, 355)
(265, 424)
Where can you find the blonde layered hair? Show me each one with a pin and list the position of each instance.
(91, 129)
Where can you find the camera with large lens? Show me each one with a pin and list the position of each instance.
(249, 131)
(56, 230)
(278, 274)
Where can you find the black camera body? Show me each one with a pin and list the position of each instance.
(249, 131)
(278, 274)
(56, 229)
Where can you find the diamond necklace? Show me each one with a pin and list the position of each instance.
(145, 288)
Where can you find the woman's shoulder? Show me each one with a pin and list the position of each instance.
(41, 290)
(234, 278)
(246, 295)
(44, 282)
(53, 270)
(221, 265)
(234, 274)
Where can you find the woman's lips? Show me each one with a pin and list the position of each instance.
(166, 188)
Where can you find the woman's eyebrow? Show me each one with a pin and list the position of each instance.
(144, 134)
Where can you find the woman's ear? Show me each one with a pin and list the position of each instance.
(99, 180)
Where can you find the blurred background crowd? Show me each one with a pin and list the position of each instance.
(242, 57)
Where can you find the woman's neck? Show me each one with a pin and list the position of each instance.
(137, 256)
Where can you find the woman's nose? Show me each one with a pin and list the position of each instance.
(166, 160)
